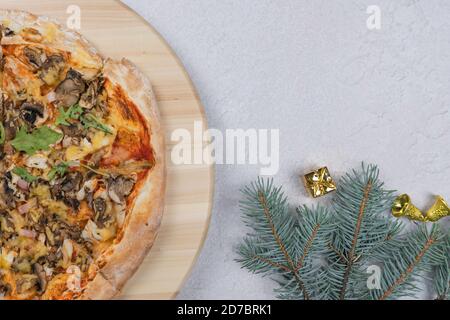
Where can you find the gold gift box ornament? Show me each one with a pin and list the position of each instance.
(403, 207)
(319, 182)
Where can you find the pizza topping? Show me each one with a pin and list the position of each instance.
(5, 289)
(67, 252)
(69, 91)
(52, 69)
(31, 34)
(7, 258)
(7, 199)
(37, 140)
(39, 271)
(38, 161)
(33, 113)
(23, 184)
(73, 113)
(24, 209)
(119, 188)
(90, 97)
(74, 279)
(91, 232)
(11, 127)
(24, 174)
(59, 170)
(66, 189)
(99, 206)
(35, 56)
(27, 233)
(7, 32)
(91, 121)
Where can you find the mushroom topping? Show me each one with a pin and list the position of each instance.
(26, 282)
(89, 99)
(6, 194)
(91, 232)
(10, 130)
(10, 117)
(120, 187)
(32, 113)
(6, 225)
(66, 189)
(5, 289)
(7, 32)
(69, 91)
(72, 183)
(73, 203)
(58, 231)
(99, 206)
(73, 130)
(42, 277)
(35, 56)
(52, 69)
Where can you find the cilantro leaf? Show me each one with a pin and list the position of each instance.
(59, 170)
(39, 139)
(90, 121)
(2, 134)
(24, 174)
(74, 112)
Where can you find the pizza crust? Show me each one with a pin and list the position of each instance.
(55, 37)
(123, 259)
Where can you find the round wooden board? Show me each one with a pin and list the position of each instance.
(118, 32)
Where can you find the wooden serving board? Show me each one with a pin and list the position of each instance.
(119, 32)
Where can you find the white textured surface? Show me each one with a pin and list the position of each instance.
(339, 93)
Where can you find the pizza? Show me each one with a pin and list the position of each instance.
(82, 167)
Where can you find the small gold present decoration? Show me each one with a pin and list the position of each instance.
(319, 182)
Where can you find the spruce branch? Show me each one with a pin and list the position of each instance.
(442, 270)
(266, 211)
(408, 261)
(351, 255)
(325, 252)
(282, 243)
(362, 227)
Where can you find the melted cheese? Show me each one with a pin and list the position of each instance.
(99, 141)
(6, 258)
(117, 120)
(6, 23)
(50, 32)
(45, 199)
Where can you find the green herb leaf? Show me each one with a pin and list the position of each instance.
(59, 170)
(74, 112)
(24, 174)
(39, 139)
(2, 134)
(90, 121)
